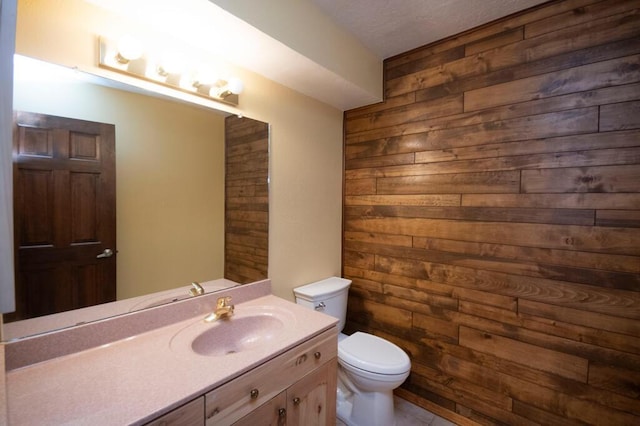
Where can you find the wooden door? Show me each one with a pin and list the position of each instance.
(64, 214)
(312, 400)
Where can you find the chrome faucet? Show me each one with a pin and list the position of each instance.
(223, 310)
(197, 289)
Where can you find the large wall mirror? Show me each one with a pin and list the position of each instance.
(180, 217)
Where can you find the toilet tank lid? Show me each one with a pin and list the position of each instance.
(327, 287)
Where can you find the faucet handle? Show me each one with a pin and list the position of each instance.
(223, 302)
(197, 289)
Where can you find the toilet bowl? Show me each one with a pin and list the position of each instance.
(369, 367)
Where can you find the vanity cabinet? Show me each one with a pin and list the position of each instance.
(295, 388)
(189, 414)
(310, 401)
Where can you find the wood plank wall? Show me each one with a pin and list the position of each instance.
(246, 199)
(492, 217)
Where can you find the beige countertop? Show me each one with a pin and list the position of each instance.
(135, 379)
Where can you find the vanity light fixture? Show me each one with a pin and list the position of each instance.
(128, 56)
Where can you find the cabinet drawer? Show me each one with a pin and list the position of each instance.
(228, 403)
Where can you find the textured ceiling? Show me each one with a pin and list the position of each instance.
(391, 27)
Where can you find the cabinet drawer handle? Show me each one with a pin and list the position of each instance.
(317, 355)
(296, 401)
(282, 412)
(213, 413)
(254, 393)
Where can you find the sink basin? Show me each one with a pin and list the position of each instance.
(237, 334)
(250, 328)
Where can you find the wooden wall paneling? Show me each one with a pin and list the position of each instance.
(487, 31)
(571, 37)
(564, 61)
(578, 79)
(246, 199)
(497, 240)
(620, 116)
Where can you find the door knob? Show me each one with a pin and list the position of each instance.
(106, 253)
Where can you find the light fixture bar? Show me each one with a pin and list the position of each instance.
(148, 68)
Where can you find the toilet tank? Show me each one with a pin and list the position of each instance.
(328, 296)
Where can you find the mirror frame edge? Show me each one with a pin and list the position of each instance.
(8, 18)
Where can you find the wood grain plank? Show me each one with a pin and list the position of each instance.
(387, 103)
(382, 161)
(583, 179)
(489, 182)
(564, 365)
(628, 201)
(355, 259)
(587, 77)
(583, 142)
(488, 30)
(567, 60)
(599, 261)
(617, 27)
(486, 214)
(419, 301)
(606, 301)
(625, 115)
(403, 200)
(565, 237)
(466, 392)
(576, 121)
(536, 161)
(436, 327)
(368, 237)
(397, 137)
(493, 41)
(578, 15)
(581, 317)
(618, 380)
(618, 218)
(598, 338)
(525, 267)
(386, 316)
(360, 186)
(428, 61)
(413, 112)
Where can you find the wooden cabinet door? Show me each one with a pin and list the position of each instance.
(312, 400)
(272, 413)
(190, 414)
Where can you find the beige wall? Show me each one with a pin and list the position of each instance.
(306, 142)
(169, 180)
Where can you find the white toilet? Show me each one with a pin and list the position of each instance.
(370, 367)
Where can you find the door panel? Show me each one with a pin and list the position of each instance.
(64, 213)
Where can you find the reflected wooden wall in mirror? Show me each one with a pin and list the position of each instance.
(170, 182)
(246, 251)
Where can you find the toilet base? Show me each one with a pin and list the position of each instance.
(366, 408)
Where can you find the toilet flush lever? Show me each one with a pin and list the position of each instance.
(320, 306)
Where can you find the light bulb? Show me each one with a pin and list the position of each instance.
(171, 63)
(205, 75)
(129, 49)
(235, 85)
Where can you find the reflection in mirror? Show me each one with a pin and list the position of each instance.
(170, 185)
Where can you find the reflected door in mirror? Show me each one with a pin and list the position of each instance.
(64, 213)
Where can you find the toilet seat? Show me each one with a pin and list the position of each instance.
(371, 353)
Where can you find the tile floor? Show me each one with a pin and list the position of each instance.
(408, 414)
